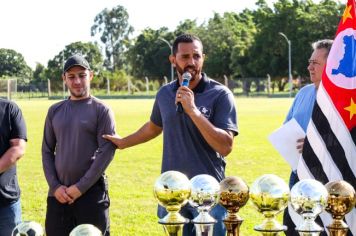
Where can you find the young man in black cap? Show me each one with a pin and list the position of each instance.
(75, 156)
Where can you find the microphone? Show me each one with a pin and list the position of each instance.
(186, 79)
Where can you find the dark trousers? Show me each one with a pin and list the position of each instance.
(91, 208)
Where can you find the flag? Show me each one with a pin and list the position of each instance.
(329, 151)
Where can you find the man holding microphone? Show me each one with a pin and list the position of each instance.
(199, 123)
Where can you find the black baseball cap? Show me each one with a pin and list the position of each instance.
(75, 60)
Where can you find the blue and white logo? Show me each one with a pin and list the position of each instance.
(205, 111)
(341, 66)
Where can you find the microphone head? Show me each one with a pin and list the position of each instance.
(186, 76)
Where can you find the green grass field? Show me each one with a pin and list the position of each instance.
(134, 171)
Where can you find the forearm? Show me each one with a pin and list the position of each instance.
(10, 157)
(220, 140)
(49, 144)
(102, 158)
(50, 172)
(147, 132)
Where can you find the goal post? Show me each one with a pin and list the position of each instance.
(8, 88)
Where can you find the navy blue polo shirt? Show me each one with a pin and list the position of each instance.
(184, 148)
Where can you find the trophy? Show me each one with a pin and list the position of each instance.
(234, 194)
(172, 190)
(205, 195)
(309, 198)
(341, 201)
(270, 194)
(85, 230)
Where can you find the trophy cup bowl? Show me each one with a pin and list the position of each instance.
(85, 230)
(172, 190)
(309, 198)
(341, 200)
(234, 194)
(269, 194)
(205, 195)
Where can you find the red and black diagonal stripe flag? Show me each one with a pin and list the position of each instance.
(329, 151)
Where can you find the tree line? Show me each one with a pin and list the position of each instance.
(240, 46)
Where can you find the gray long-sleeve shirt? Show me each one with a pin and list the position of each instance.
(73, 150)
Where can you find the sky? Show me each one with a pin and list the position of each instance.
(40, 29)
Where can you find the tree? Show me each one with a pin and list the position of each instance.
(13, 63)
(90, 51)
(186, 26)
(39, 73)
(314, 22)
(223, 37)
(118, 80)
(303, 22)
(149, 55)
(113, 28)
(240, 51)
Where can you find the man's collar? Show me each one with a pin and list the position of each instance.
(200, 86)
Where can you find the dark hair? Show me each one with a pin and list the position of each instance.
(323, 44)
(185, 38)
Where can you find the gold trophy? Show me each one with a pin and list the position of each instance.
(204, 196)
(269, 193)
(172, 190)
(234, 194)
(308, 198)
(341, 201)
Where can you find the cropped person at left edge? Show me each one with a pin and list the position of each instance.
(13, 137)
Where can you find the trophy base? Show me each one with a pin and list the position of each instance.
(337, 231)
(309, 229)
(205, 229)
(270, 226)
(204, 219)
(271, 231)
(233, 227)
(173, 219)
(309, 233)
(173, 229)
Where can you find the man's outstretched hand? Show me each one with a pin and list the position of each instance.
(115, 139)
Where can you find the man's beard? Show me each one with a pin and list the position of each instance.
(81, 94)
(191, 69)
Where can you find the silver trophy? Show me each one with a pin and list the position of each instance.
(309, 198)
(204, 196)
(85, 230)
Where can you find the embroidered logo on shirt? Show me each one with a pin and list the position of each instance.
(205, 111)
